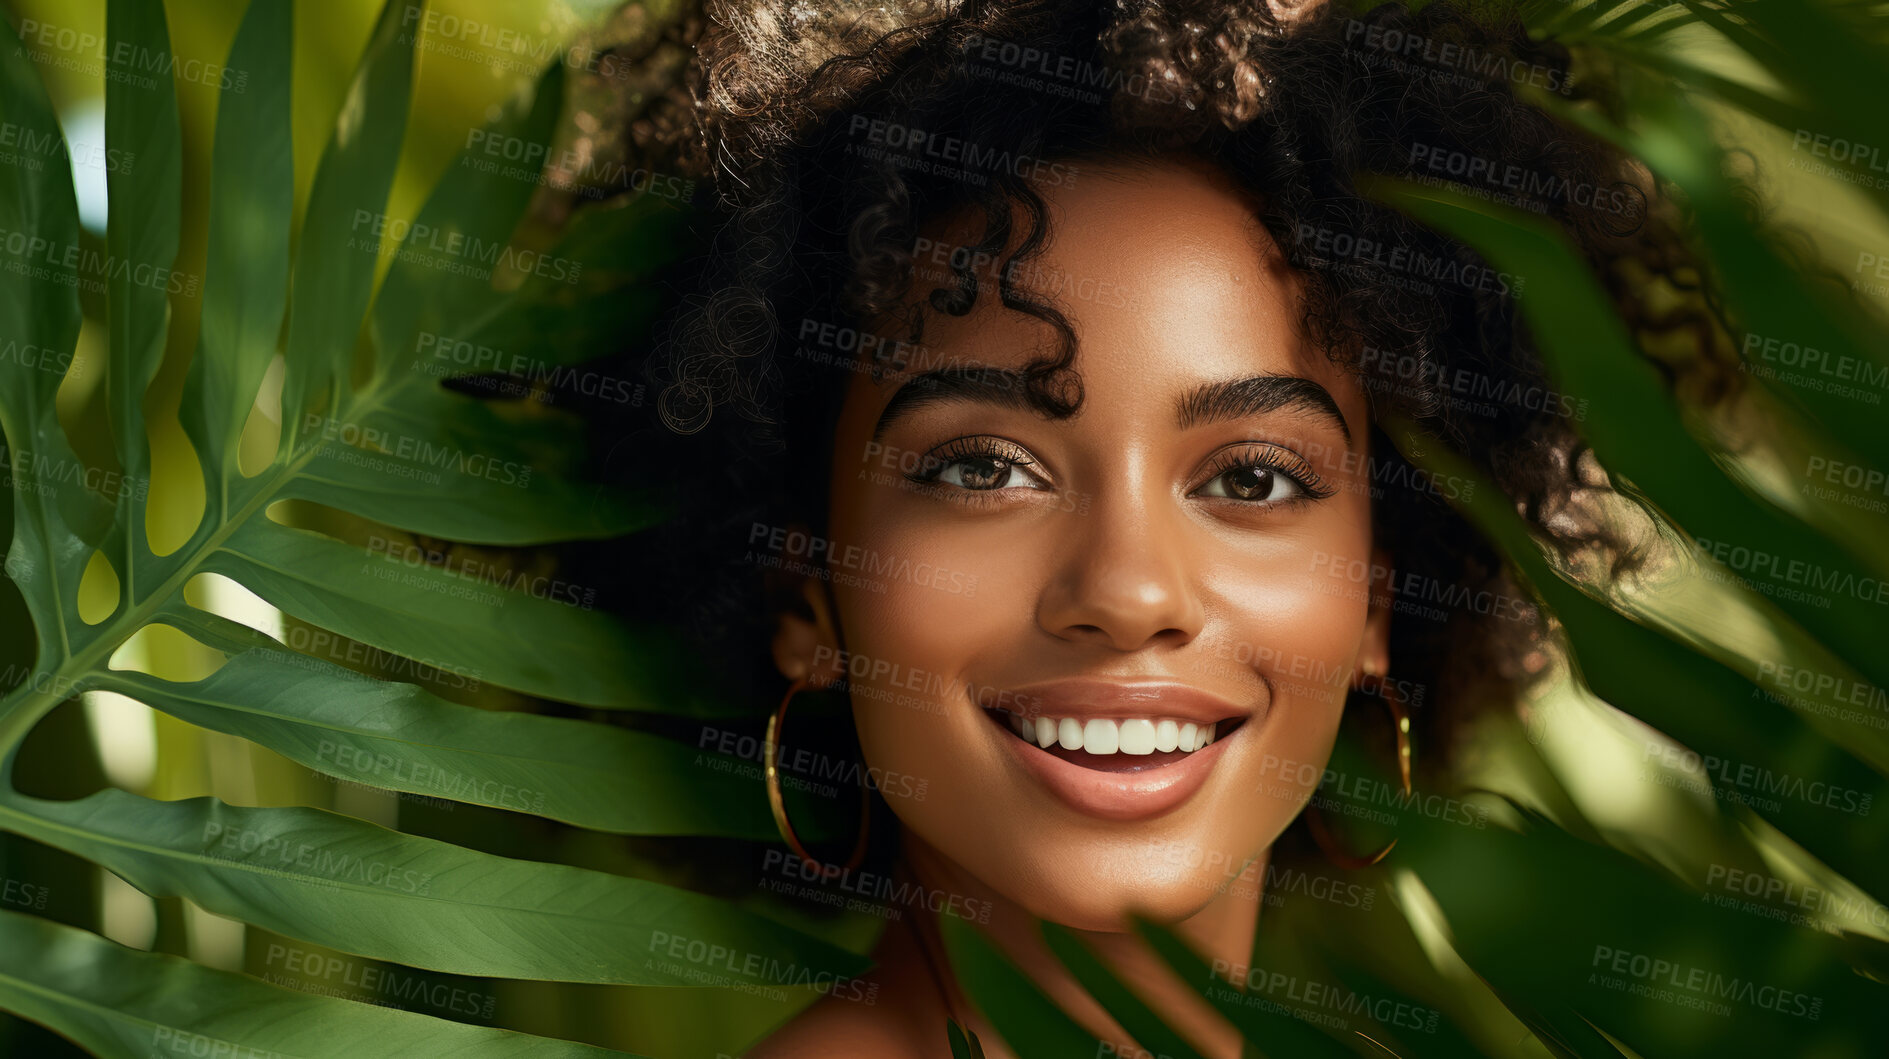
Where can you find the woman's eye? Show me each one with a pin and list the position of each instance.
(1262, 475)
(981, 465)
(1255, 483)
(985, 473)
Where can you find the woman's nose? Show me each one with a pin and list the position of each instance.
(1124, 577)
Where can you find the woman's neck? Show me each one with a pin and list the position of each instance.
(1222, 933)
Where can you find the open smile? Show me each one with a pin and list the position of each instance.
(1108, 744)
(1119, 751)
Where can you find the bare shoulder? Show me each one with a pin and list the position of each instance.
(839, 1029)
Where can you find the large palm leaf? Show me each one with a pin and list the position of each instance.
(363, 433)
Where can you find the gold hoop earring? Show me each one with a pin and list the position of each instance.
(777, 803)
(1321, 832)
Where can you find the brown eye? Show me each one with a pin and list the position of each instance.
(977, 472)
(1250, 483)
(986, 473)
(1253, 483)
(981, 465)
(1261, 474)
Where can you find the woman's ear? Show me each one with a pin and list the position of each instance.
(806, 630)
(1374, 649)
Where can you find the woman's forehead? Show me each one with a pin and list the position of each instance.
(1161, 268)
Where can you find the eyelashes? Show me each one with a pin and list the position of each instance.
(1257, 474)
(979, 465)
(1262, 473)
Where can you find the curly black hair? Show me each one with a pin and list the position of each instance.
(806, 124)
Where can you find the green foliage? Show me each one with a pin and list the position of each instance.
(964, 1045)
(356, 426)
(119, 1001)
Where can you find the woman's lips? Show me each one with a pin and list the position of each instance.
(1085, 698)
(1119, 751)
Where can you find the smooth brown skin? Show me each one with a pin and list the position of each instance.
(1170, 282)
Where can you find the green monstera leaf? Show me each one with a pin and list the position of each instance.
(366, 429)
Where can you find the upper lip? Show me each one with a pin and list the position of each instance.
(1088, 697)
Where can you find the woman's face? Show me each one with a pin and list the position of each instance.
(1185, 551)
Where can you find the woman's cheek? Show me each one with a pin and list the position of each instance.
(1294, 627)
(923, 608)
(936, 587)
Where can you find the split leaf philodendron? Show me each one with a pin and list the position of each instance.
(356, 441)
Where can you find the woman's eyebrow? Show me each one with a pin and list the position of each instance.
(998, 386)
(1210, 402)
(1258, 395)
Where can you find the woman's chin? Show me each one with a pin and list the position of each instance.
(1114, 905)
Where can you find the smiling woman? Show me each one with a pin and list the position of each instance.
(1082, 312)
(1210, 444)
(1149, 593)
(1214, 455)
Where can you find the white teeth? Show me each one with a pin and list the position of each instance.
(1045, 731)
(1069, 733)
(1167, 736)
(1102, 735)
(1137, 737)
